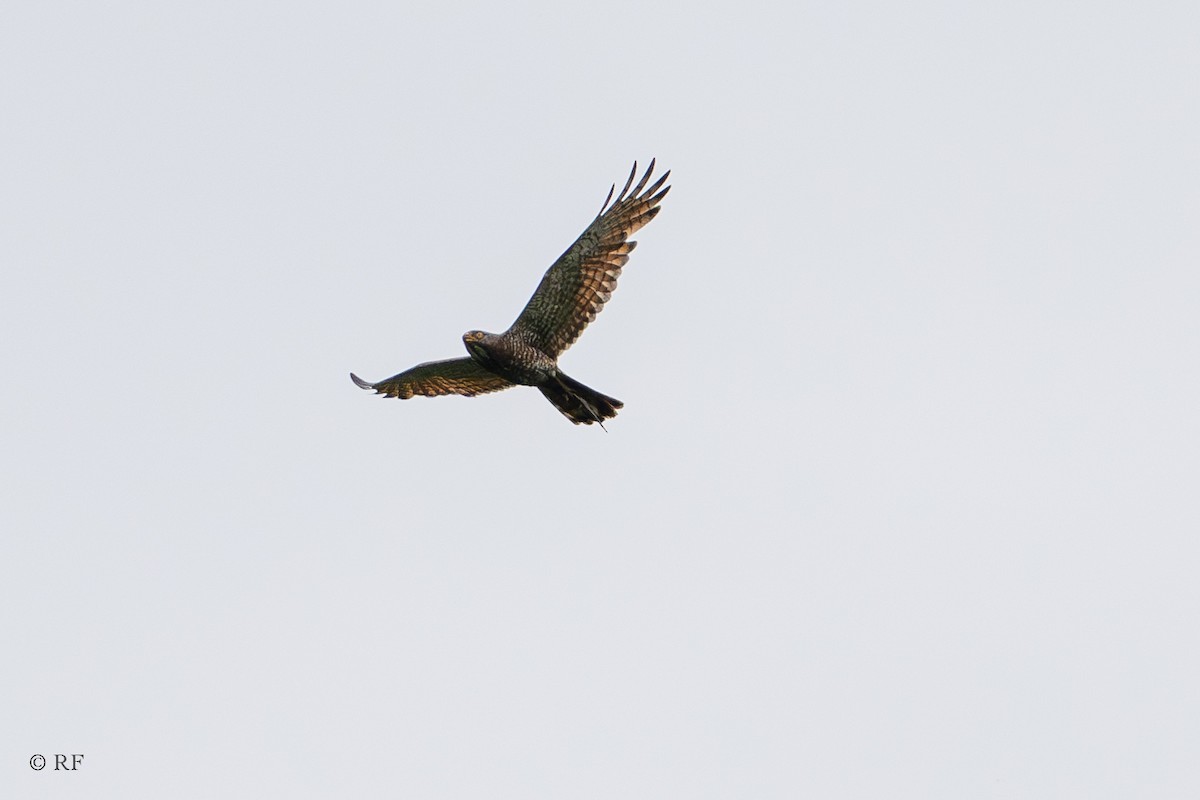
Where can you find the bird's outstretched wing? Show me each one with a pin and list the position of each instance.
(455, 376)
(579, 283)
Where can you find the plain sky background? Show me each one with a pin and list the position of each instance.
(903, 501)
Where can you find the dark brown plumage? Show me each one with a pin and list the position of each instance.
(571, 294)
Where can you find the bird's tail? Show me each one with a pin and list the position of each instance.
(579, 403)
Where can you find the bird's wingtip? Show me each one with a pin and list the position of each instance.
(360, 383)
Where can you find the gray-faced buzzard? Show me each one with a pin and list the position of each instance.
(571, 294)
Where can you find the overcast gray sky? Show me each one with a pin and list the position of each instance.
(902, 502)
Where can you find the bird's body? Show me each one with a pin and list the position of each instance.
(510, 357)
(571, 294)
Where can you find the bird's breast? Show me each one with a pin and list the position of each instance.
(515, 360)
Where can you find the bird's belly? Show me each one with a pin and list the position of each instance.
(517, 362)
(524, 374)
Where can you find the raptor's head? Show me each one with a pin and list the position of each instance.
(476, 343)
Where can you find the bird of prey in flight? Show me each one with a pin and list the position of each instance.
(571, 294)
